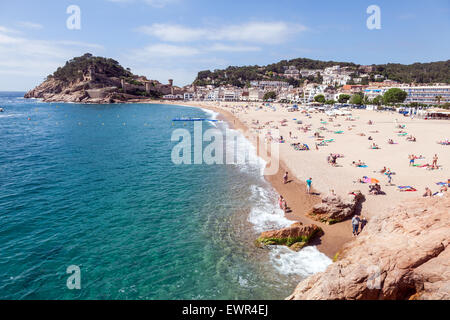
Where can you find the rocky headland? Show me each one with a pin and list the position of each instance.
(401, 254)
(89, 79)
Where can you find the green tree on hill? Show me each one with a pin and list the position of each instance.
(271, 95)
(356, 99)
(378, 100)
(320, 98)
(343, 98)
(394, 95)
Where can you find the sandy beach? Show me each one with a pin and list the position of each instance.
(351, 140)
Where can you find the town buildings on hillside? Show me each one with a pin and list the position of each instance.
(336, 81)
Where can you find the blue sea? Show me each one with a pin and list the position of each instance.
(94, 186)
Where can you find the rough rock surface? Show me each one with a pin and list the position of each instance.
(296, 233)
(334, 209)
(401, 254)
(53, 90)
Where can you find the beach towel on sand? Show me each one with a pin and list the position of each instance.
(370, 180)
(406, 189)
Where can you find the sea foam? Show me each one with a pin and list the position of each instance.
(306, 262)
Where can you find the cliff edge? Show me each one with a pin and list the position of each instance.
(401, 254)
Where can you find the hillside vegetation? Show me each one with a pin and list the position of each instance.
(75, 68)
(433, 72)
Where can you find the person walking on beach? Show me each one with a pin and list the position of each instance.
(363, 223)
(308, 185)
(435, 160)
(355, 224)
(411, 160)
(389, 176)
(286, 177)
(280, 201)
(284, 206)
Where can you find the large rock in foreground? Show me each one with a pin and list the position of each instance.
(401, 254)
(335, 209)
(296, 236)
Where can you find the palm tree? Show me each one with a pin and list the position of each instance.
(438, 99)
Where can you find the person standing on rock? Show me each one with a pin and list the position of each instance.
(355, 224)
(308, 185)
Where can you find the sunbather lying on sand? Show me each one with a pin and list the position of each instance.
(375, 189)
(358, 163)
(428, 192)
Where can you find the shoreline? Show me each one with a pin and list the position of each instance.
(342, 178)
(300, 203)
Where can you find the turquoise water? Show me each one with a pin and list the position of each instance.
(94, 186)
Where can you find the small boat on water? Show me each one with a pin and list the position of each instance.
(2, 110)
(194, 119)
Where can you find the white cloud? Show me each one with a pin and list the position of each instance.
(173, 33)
(257, 32)
(34, 59)
(30, 25)
(162, 50)
(169, 51)
(4, 29)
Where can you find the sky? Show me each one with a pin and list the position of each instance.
(176, 39)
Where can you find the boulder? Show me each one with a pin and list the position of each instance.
(335, 209)
(296, 233)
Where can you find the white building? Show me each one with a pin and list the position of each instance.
(231, 95)
(270, 85)
(419, 94)
(214, 95)
(312, 90)
(188, 96)
(427, 94)
(255, 94)
(292, 72)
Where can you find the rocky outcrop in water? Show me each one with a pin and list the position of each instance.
(402, 253)
(296, 236)
(89, 79)
(335, 209)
